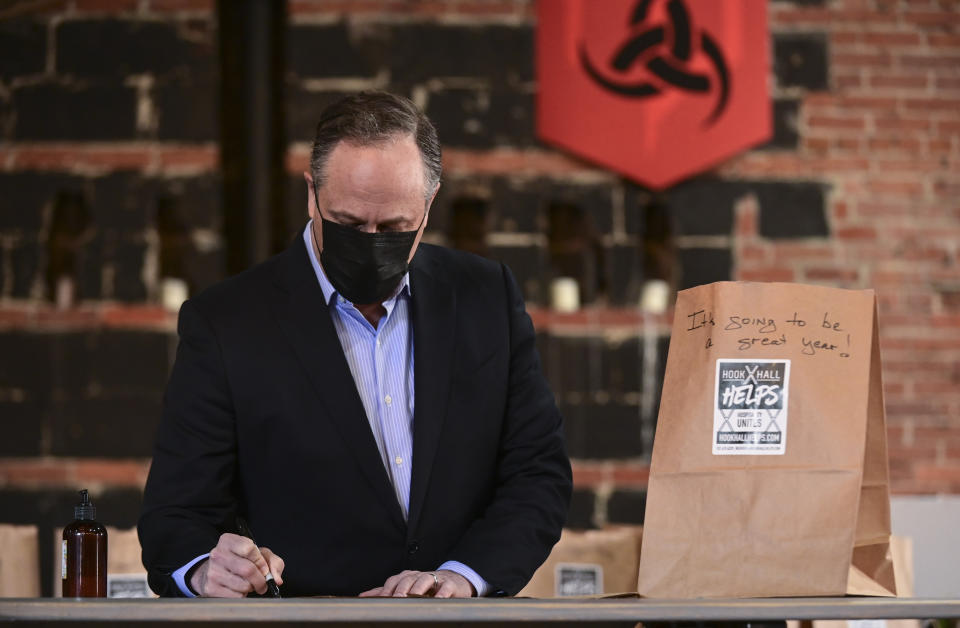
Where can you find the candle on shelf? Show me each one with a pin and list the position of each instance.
(173, 292)
(655, 297)
(65, 292)
(565, 294)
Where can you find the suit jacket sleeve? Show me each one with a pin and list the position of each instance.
(529, 507)
(189, 495)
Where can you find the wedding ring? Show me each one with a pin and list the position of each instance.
(436, 581)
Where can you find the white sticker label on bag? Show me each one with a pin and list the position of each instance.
(128, 585)
(577, 579)
(750, 407)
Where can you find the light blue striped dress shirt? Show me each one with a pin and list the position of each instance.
(381, 362)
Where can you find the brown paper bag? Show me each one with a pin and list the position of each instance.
(589, 562)
(901, 550)
(19, 561)
(769, 471)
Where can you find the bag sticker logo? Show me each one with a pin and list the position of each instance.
(577, 579)
(750, 407)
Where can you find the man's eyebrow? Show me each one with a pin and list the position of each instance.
(345, 217)
(349, 219)
(393, 222)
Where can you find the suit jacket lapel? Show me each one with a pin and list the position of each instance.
(433, 318)
(305, 321)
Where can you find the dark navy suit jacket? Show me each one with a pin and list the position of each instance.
(262, 418)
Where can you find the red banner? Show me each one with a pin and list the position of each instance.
(656, 90)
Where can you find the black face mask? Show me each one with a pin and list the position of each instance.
(365, 267)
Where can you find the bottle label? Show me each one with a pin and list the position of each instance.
(63, 560)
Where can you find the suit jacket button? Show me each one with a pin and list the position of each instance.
(413, 548)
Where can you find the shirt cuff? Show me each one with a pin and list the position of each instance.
(180, 574)
(472, 576)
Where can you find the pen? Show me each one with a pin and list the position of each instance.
(245, 531)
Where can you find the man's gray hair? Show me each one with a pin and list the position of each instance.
(371, 117)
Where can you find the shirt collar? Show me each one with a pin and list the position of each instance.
(329, 292)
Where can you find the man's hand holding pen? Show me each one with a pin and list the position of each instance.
(236, 566)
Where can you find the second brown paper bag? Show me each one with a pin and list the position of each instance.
(769, 470)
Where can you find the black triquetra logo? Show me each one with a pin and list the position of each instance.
(668, 63)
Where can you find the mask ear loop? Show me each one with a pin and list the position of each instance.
(426, 210)
(316, 199)
(316, 202)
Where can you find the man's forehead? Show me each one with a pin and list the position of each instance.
(385, 161)
(380, 182)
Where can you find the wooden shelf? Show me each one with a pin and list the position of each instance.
(506, 611)
(599, 318)
(43, 317)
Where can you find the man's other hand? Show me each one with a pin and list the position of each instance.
(447, 584)
(236, 567)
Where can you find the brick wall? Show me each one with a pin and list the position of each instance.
(109, 176)
(108, 171)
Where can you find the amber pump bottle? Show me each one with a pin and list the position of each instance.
(84, 553)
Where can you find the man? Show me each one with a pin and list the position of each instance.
(383, 431)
